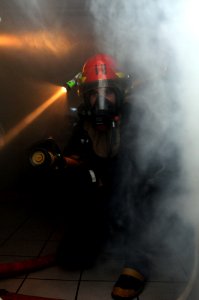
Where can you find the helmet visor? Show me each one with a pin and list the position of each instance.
(102, 98)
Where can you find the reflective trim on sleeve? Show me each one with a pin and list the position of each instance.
(93, 177)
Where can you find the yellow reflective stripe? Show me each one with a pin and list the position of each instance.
(133, 273)
(92, 174)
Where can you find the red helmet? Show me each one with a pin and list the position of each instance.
(101, 70)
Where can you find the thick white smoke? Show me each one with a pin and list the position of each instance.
(158, 41)
(154, 39)
(186, 44)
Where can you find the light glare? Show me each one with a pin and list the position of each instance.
(13, 132)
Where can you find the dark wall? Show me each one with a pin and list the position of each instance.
(42, 45)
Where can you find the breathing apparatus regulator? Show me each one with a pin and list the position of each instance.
(101, 75)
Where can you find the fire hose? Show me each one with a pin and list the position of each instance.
(15, 268)
(8, 270)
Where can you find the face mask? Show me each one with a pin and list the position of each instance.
(103, 113)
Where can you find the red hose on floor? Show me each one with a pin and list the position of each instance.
(16, 268)
(25, 266)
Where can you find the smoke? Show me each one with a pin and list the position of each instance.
(187, 46)
(139, 35)
(158, 42)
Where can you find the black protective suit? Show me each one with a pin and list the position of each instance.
(118, 197)
(124, 205)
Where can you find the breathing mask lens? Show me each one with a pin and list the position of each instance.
(103, 108)
(103, 112)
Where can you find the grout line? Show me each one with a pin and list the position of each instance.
(45, 243)
(21, 284)
(20, 226)
(78, 285)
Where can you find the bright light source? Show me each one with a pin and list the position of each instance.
(64, 89)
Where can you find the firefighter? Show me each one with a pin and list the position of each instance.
(111, 195)
(96, 144)
(91, 156)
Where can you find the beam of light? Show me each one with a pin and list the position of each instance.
(9, 41)
(13, 132)
(36, 41)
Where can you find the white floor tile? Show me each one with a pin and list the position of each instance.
(55, 273)
(106, 268)
(162, 291)
(50, 247)
(24, 248)
(11, 285)
(50, 288)
(95, 290)
(39, 230)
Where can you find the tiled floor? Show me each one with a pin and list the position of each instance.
(26, 233)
